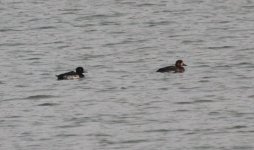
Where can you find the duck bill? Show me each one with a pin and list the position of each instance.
(184, 65)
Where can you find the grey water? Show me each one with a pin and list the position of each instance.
(123, 103)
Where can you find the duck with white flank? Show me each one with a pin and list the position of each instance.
(72, 74)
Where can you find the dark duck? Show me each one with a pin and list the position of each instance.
(178, 68)
(72, 74)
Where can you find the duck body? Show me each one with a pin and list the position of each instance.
(167, 69)
(178, 68)
(72, 74)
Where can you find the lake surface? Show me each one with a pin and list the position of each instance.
(123, 103)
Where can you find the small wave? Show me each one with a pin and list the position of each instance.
(192, 41)
(213, 113)
(244, 64)
(44, 27)
(196, 101)
(134, 141)
(106, 23)
(12, 44)
(67, 126)
(163, 88)
(251, 96)
(70, 10)
(182, 110)
(117, 32)
(48, 104)
(99, 16)
(21, 86)
(63, 46)
(8, 30)
(237, 127)
(99, 135)
(203, 81)
(40, 96)
(209, 77)
(203, 147)
(159, 23)
(34, 58)
(165, 130)
(146, 4)
(66, 135)
(12, 99)
(13, 116)
(248, 7)
(220, 47)
(183, 103)
(203, 101)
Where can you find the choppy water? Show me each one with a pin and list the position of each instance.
(123, 103)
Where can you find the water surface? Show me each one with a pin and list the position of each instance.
(123, 103)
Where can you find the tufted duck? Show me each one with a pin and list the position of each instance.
(72, 75)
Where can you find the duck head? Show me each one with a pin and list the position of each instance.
(80, 70)
(179, 63)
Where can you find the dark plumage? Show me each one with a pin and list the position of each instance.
(178, 68)
(72, 74)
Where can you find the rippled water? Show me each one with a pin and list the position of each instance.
(123, 103)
